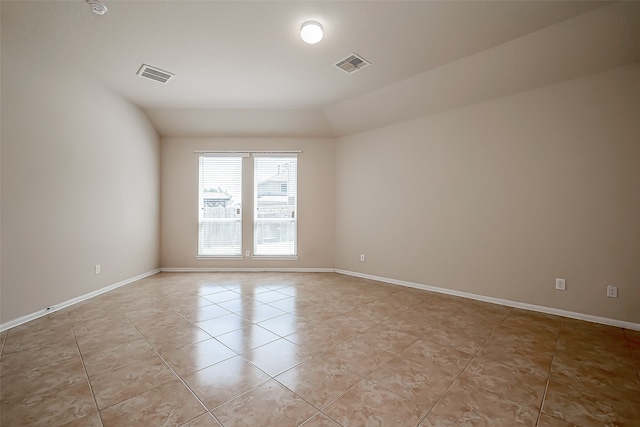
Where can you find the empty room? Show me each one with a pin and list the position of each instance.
(320, 213)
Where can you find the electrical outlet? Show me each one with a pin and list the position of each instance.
(97, 268)
(561, 284)
(612, 291)
(361, 257)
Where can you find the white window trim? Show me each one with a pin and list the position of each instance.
(274, 258)
(271, 153)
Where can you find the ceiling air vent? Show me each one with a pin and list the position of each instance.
(353, 63)
(154, 73)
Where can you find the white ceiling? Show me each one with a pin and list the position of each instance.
(242, 70)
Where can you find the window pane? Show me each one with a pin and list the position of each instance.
(220, 213)
(275, 204)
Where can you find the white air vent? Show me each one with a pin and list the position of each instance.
(353, 63)
(154, 73)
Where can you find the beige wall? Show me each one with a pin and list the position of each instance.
(80, 184)
(179, 212)
(500, 198)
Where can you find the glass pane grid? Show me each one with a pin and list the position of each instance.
(220, 210)
(275, 206)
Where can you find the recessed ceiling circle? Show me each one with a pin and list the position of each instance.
(311, 32)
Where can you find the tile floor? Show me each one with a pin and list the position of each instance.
(289, 349)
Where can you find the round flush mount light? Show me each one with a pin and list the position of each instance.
(97, 7)
(311, 32)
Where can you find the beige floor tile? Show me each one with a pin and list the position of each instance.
(432, 420)
(32, 358)
(202, 313)
(328, 331)
(223, 324)
(528, 319)
(49, 322)
(387, 339)
(364, 352)
(515, 379)
(539, 342)
(91, 309)
(465, 340)
(405, 297)
(287, 304)
(130, 380)
(3, 336)
(320, 420)
(580, 336)
(318, 312)
(154, 320)
(260, 313)
(289, 290)
(548, 421)
(311, 343)
(219, 297)
(369, 404)
(239, 305)
(150, 316)
(49, 406)
(347, 324)
(413, 381)
(204, 420)
(434, 356)
(98, 335)
(360, 357)
(112, 357)
(46, 378)
(24, 337)
(276, 357)
(193, 357)
(268, 405)
(247, 338)
(91, 420)
(224, 381)
(165, 339)
(285, 324)
(270, 296)
(319, 380)
(465, 404)
(606, 378)
(205, 288)
(168, 405)
(587, 407)
(386, 307)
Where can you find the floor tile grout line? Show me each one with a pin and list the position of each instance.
(125, 342)
(546, 387)
(175, 373)
(4, 339)
(183, 383)
(84, 367)
(361, 378)
(465, 367)
(495, 332)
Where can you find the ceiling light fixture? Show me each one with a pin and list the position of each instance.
(97, 7)
(311, 32)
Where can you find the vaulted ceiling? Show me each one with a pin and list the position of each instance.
(241, 68)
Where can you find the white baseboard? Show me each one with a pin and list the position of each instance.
(65, 304)
(508, 303)
(500, 301)
(247, 270)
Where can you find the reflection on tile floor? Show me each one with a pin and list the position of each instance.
(289, 349)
